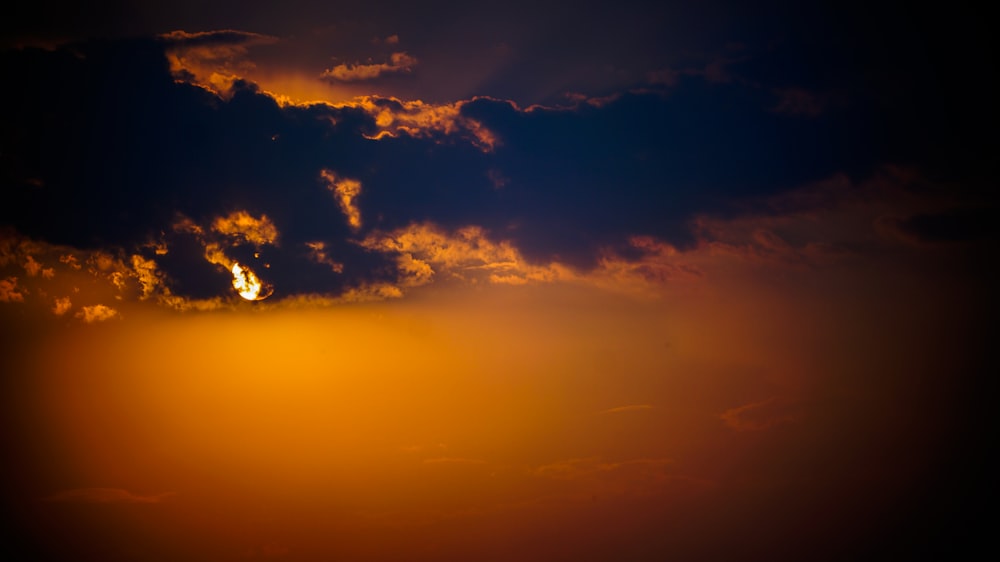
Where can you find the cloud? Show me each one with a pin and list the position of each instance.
(215, 38)
(585, 478)
(9, 291)
(241, 225)
(796, 101)
(212, 59)
(417, 119)
(758, 416)
(345, 190)
(453, 461)
(318, 253)
(572, 469)
(96, 313)
(32, 267)
(629, 408)
(105, 496)
(633, 191)
(951, 226)
(664, 76)
(62, 306)
(425, 250)
(398, 62)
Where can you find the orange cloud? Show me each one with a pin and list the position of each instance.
(242, 225)
(62, 306)
(425, 250)
(9, 291)
(96, 313)
(369, 292)
(398, 62)
(32, 267)
(113, 276)
(146, 273)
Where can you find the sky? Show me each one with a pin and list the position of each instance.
(444, 281)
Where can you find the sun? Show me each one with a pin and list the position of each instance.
(248, 285)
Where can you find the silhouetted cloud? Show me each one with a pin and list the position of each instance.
(372, 195)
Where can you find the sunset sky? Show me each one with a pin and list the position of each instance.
(443, 281)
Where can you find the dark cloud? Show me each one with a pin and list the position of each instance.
(952, 226)
(103, 146)
(214, 38)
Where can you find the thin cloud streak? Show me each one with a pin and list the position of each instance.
(106, 496)
(629, 408)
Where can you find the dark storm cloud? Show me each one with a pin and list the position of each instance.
(646, 162)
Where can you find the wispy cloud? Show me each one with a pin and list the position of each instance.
(629, 408)
(398, 62)
(758, 416)
(588, 467)
(453, 460)
(425, 250)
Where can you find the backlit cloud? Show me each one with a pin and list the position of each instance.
(418, 119)
(211, 59)
(345, 190)
(425, 251)
(245, 227)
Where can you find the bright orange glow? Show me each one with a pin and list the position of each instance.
(580, 412)
(403, 427)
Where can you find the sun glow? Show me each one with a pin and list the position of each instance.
(248, 285)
